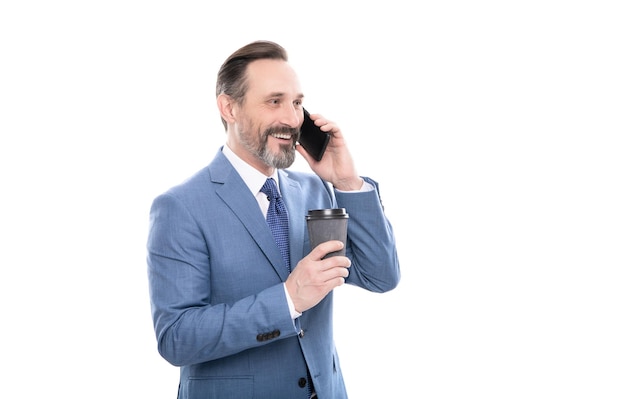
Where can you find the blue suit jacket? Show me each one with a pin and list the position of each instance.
(215, 278)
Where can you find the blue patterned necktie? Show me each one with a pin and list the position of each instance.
(277, 219)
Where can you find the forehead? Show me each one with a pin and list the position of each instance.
(268, 77)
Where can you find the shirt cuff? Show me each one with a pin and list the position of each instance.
(292, 309)
(365, 187)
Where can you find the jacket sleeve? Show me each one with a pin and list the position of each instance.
(371, 242)
(190, 326)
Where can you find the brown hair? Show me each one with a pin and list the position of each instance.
(231, 78)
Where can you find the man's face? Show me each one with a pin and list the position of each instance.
(268, 122)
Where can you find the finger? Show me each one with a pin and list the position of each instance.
(305, 154)
(338, 281)
(335, 274)
(325, 248)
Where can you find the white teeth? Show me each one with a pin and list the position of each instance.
(281, 135)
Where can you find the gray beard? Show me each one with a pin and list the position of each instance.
(284, 159)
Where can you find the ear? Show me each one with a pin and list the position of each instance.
(226, 106)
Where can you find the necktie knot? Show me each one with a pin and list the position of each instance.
(273, 196)
(270, 189)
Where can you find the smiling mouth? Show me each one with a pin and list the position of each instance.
(283, 133)
(285, 136)
(281, 136)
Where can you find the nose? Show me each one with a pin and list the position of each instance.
(292, 116)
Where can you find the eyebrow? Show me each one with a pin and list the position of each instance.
(299, 96)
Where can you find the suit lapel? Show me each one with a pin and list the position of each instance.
(236, 195)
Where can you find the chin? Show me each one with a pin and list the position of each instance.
(284, 159)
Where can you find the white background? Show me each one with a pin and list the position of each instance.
(496, 131)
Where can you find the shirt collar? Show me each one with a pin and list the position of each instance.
(251, 177)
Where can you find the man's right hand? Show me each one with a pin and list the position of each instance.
(313, 277)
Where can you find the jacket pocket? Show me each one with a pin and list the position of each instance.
(218, 388)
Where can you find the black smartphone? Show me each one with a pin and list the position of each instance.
(312, 138)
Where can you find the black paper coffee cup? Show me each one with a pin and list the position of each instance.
(326, 225)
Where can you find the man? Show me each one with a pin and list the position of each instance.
(240, 321)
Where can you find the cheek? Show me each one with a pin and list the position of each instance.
(247, 128)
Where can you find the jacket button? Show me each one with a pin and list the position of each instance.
(267, 336)
(302, 382)
(301, 333)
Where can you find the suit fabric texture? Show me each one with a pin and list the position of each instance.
(215, 277)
